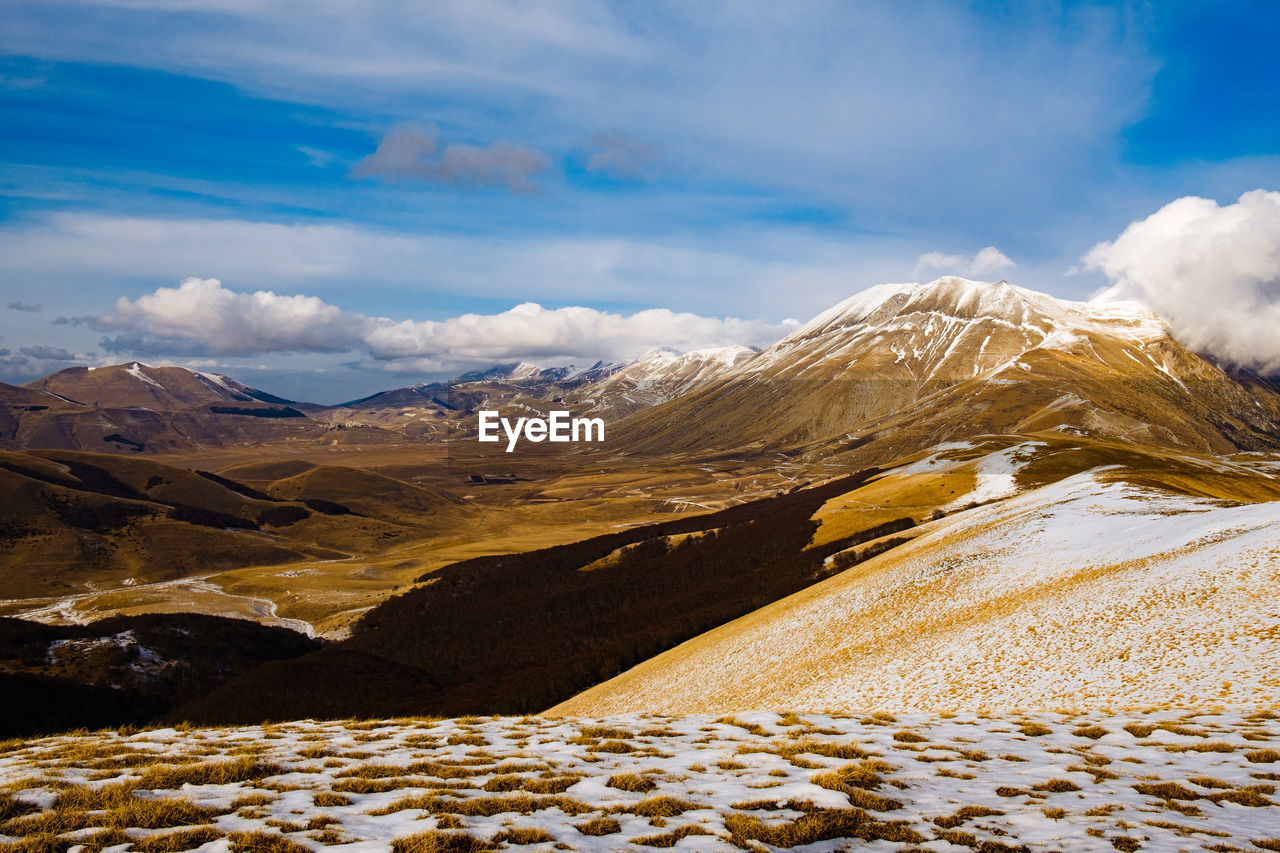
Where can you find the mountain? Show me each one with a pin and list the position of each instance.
(609, 389)
(135, 407)
(141, 385)
(655, 377)
(902, 367)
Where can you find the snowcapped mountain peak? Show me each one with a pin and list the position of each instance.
(889, 306)
(949, 295)
(658, 355)
(139, 385)
(523, 370)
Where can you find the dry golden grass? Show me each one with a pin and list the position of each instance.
(1056, 786)
(858, 781)
(174, 842)
(114, 807)
(378, 786)
(264, 842)
(1262, 756)
(754, 728)
(1093, 732)
(1099, 775)
(658, 732)
(11, 807)
(244, 769)
(606, 733)
(1212, 746)
(486, 806)
(1009, 791)
(523, 835)
(634, 783)
(670, 839)
(660, 807)
(434, 841)
(328, 799)
(817, 825)
(599, 826)
(1034, 729)
(511, 782)
(953, 774)
(966, 813)
(792, 751)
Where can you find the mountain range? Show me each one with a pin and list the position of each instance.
(931, 496)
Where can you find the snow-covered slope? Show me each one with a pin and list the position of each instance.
(1088, 592)
(657, 376)
(1096, 782)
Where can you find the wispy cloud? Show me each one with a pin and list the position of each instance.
(986, 262)
(616, 153)
(29, 307)
(753, 272)
(47, 353)
(411, 152)
(944, 110)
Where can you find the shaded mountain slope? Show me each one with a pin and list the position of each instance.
(124, 669)
(76, 521)
(516, 633)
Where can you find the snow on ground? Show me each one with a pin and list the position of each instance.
(1086, 593)
(995, 474)
(1158, 781)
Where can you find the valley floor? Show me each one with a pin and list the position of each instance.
(1161, 781)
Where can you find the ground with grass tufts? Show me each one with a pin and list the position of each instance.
(1159, 781)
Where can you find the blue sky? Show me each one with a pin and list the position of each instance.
(387, 168)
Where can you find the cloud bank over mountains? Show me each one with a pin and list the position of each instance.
(202, 317)
(1213, 272)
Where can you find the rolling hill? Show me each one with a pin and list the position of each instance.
(135, 408)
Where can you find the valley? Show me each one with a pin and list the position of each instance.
(920, 497)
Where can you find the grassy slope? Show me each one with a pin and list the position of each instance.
(1097, 590)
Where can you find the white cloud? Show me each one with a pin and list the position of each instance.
(223, 321)
(201, 316)
(1212, 271)
(987, 262)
